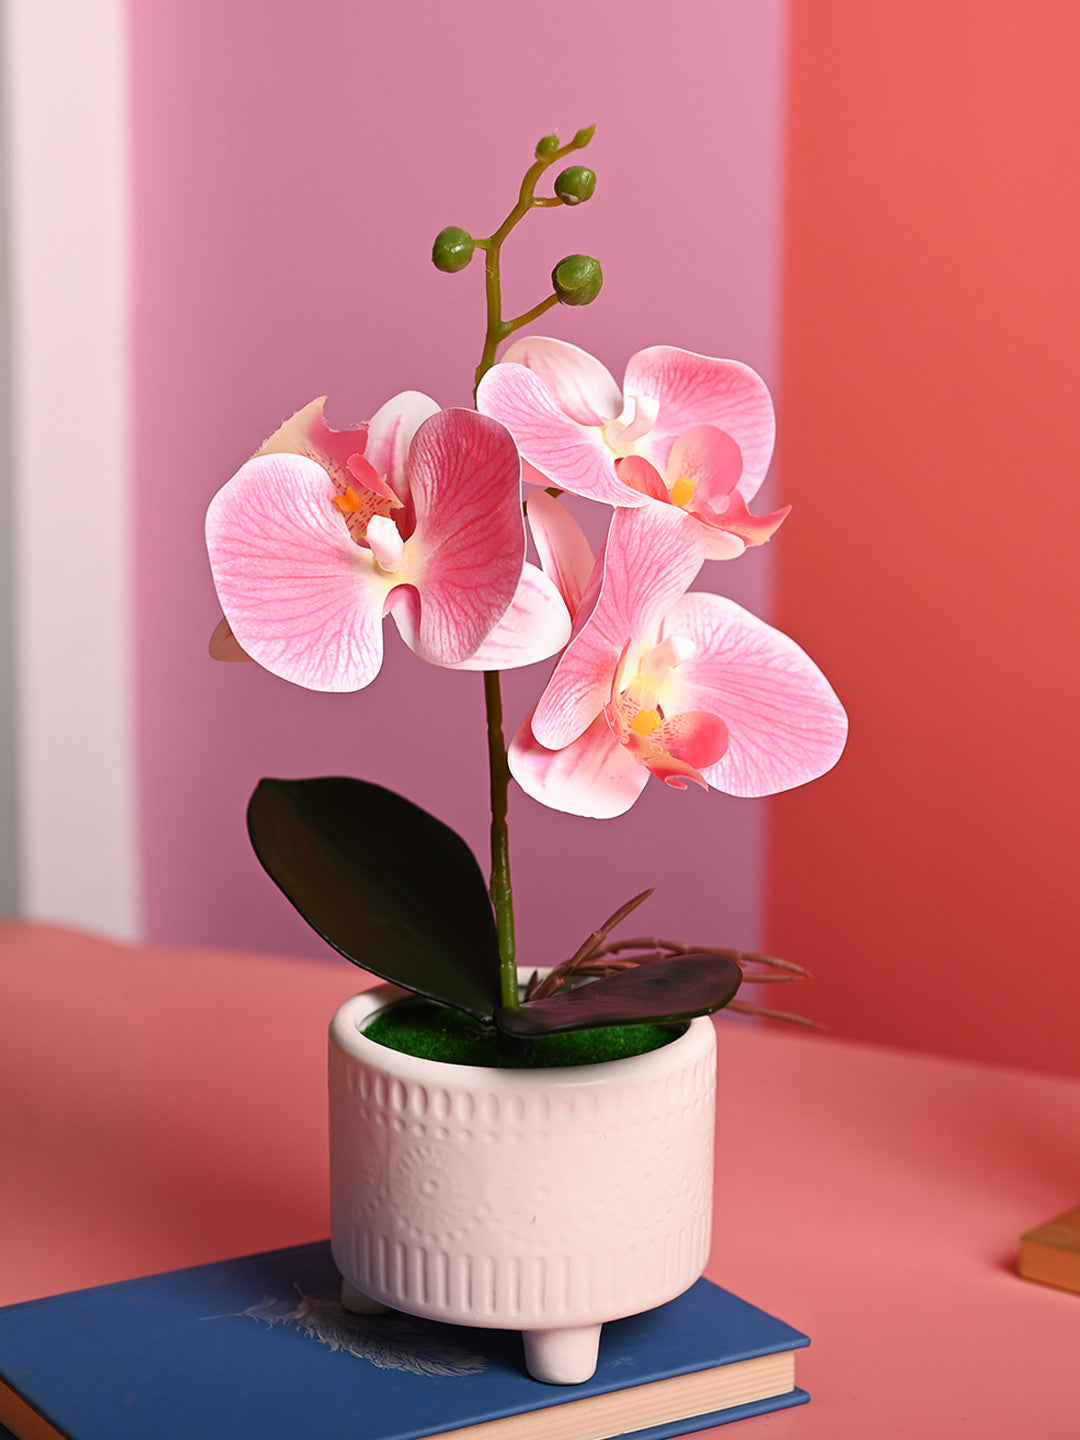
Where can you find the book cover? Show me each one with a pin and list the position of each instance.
(260, 1346)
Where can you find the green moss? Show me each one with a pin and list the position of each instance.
(436, 1032)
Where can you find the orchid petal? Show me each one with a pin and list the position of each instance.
(565, 553)
(307, 433)
(569, 454)
(672, 749)
(594, 776)
(649, 558)
(712, 462)
(300, 597)
(224, 644)
(583, 387)
(531, 476)
(736, 520)
(364, 474)
(535, 627)
(390, 433)
(469, 543)
(722, 544)
(696, 736)
(642, 476)
(669, 768)
(711, 459)
(697, 390)
(786, 724)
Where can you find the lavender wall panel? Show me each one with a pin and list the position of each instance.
(292, 165)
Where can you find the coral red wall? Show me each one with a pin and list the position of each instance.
(932, 453)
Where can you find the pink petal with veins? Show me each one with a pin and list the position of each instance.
(642, 476)
(535, 627)
(300, 596)
(649, 558)
(697, 390)
(565, 554)
(582, 387)
(531, 476)
(464, 478)
(594, 776)
(722, 544)
(390, 433)
(786, 724)
(573, 455)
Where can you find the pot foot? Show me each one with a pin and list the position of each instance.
(562, 1357)
(359, 1303)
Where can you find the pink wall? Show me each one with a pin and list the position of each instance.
(293, 162)
(932, 361)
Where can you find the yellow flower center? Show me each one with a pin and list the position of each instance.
(682, 492)
(646, 721)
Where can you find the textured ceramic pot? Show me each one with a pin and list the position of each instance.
(546, 1201)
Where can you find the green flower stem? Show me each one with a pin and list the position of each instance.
(501, 891)
(499, 771)
(498, 328)
(533, 314)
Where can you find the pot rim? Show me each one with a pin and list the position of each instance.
(696, 1039)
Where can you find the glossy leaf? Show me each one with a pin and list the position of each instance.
(393, 889)
(675, 988)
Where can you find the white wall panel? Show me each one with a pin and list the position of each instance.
(66, 89)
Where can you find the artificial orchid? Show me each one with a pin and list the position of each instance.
(685, 432)
(324, 531)
(418, 515)
(655, 681)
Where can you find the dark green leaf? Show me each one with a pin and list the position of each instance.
(391, 887)
(674, 988)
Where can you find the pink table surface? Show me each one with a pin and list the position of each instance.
(162, 1107)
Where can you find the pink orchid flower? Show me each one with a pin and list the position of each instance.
(685, 431)
(416, 514)
(655, 681)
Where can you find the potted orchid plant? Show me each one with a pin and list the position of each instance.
(419, 516)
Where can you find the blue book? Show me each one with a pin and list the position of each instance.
(261, 1347)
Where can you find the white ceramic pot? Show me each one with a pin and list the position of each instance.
(546, 1201)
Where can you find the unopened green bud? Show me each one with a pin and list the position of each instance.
(453, 249)
(575, 184)
(577, 280)
(547, 146)
(582, 138)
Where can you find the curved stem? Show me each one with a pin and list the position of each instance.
(499, 771)
(531, 315)
(497, 328)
